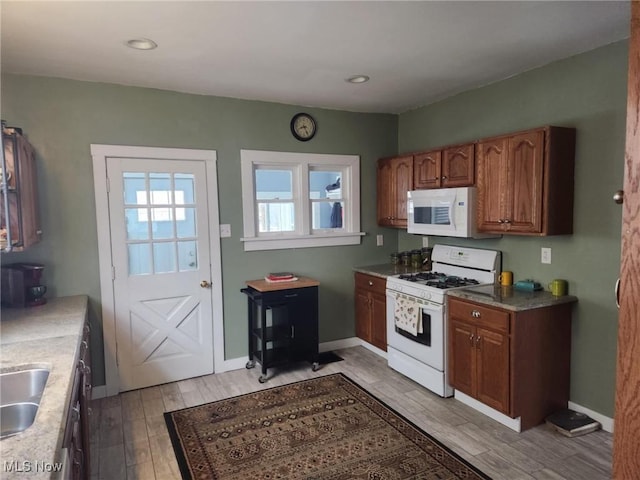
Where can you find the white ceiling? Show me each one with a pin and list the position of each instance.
(300, 52)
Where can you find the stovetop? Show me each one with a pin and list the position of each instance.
(438, 280)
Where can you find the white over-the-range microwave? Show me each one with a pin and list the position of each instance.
(449, 212)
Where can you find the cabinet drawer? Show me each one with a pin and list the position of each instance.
(284, 296)
(480, 315)
(371, 283)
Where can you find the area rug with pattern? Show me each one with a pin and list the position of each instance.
(325, 428)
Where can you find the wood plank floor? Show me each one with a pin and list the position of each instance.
(129, 439)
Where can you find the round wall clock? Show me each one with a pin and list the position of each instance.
(303, 126)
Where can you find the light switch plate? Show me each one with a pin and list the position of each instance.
(425, 242)
(225, 230)
(545, 255)
(379, 240)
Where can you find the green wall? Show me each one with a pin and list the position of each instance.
(587, 92)
(61, 118)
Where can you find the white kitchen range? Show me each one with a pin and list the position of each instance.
(416, 311)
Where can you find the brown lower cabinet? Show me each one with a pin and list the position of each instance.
(371, 309)
(516, 362)
(76, 437)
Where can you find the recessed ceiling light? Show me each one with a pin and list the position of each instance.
(141, 44)
(358, 79)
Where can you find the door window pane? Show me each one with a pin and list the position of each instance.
(137, 224)
(139, 258)
(187, 256)
(169, 213)
(160, 188)
(186, 227)
(184, 188)
(164, 257)
(161, 224)
(135, 189)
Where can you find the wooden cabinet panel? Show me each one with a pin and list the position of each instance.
(525, 182)
(20, 194)
(458, 166)
(395, 179)
(363, 314)
(492, 386)
(371, 309)
(480, 315)
(427, 170)
(517, 363)
(492, 181)
(379, 320)
(462, 359)
(524, 207)
(450, 167)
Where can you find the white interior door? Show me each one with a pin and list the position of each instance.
(162, 283)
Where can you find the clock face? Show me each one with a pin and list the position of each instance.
(303, 126)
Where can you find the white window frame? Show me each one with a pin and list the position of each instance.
(301, 164)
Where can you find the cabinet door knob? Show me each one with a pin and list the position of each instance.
(478, 340)
(471, 339)
(475, 314)
(618, 197)
(444, 177)
(501, 221)
(370, 283)
(205, 284)
(506, 220)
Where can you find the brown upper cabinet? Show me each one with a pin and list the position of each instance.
(450, 167)
(395, 179)
(19, 193)
(525, 182)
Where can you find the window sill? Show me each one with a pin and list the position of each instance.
(252, 244)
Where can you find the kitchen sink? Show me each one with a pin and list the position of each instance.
(20, 394)
(17, 417)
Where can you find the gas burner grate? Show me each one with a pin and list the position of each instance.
(438, 280)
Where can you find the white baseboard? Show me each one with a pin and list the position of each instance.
(373, 348)
(512, 423)
(240, 363)
(606, 422)
(98, 392)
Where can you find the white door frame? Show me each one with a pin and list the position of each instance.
(100, 153)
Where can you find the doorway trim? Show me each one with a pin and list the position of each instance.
(100, 153)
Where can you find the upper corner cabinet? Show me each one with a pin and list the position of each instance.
(395, 179)
(525, 182)
(19, 215)
(449, 167)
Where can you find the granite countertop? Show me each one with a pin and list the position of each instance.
(510, 298)
(385, 270)
(46, 336)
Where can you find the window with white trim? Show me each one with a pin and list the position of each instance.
(297, 200)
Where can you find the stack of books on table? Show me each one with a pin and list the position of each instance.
(280, 277)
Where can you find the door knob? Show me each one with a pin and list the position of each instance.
(205, 284)
(618, 197)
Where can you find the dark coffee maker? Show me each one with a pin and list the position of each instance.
(21, 285)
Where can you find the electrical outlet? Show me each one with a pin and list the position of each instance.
(545, 255)
(379, 240)
(425, 242)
